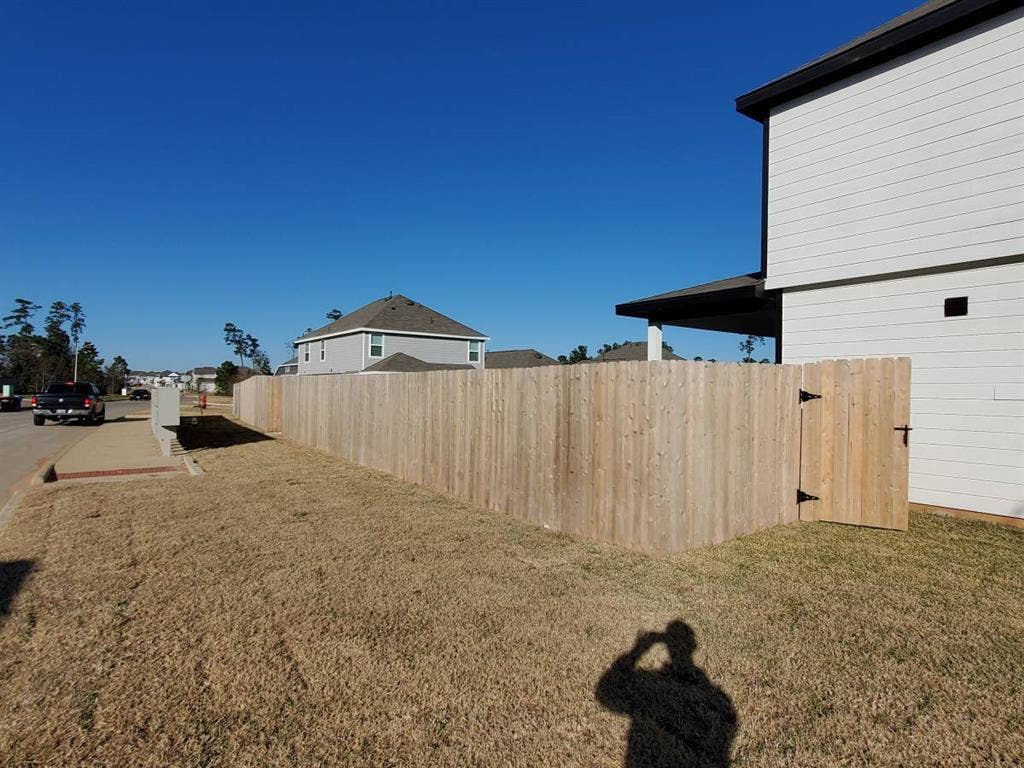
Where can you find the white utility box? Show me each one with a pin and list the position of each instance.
(165, 412)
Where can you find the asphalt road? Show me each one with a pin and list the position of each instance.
(23, 445)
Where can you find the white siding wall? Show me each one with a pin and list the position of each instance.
(427, 348)
(344, 353)
(967, 391)
(916, 163)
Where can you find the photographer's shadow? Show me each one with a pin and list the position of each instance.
(679, 717)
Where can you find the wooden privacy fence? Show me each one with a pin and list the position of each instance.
(660, 456)
(257, 401)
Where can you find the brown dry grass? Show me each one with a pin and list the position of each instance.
(288, 608)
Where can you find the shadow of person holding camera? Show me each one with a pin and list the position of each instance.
(679, 717)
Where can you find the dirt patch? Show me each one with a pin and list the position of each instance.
(288, 608)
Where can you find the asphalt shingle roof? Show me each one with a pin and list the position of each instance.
(517, 358)
(395, 313)
(631, 350)
(403, 363)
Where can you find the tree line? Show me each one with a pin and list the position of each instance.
(580, 353)
(34, 359)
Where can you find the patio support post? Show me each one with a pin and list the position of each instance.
(653, 341)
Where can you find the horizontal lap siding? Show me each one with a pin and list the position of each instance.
(659, 456)
(967, 447)
(914, 164)
(344, 353)
(429, 349)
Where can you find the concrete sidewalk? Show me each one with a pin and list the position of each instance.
(124, 446)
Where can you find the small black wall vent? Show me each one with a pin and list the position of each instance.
(956, 306)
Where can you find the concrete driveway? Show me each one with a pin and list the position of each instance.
(23, 445)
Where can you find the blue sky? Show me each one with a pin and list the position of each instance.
(521, 167)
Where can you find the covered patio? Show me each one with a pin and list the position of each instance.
(734, 305)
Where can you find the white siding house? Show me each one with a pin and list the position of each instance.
(913, 171)
(915, 164)
(893, 224)
(967, 376)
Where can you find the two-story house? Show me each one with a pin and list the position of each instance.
(363, 339)
(893, 224)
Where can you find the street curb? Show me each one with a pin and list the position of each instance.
(47, 472)
(191, 465)
(10, 506)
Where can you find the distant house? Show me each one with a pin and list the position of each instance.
(631, 350)
(518, 358)
(288, 367)
(386, 327)
(204, 378)
(165, 378)
(201, 379)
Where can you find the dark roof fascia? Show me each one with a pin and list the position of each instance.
(696, 304)
(916, 33)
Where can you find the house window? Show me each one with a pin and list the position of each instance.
(474, 351)
(305, 352)
(376, 345)
(323, 349)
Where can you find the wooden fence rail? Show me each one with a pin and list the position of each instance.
(659, 456)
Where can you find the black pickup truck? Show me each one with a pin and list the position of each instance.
(71, 400)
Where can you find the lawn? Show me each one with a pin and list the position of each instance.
(288, 608)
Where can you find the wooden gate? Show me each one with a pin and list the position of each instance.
(854, 435)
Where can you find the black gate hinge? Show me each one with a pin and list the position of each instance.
(805, 396)
(802, 496)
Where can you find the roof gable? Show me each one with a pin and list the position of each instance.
(395, 313)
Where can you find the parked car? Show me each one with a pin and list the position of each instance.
(10, 402)
(140, 394)
(78, 400)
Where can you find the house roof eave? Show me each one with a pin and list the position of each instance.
(925, 24)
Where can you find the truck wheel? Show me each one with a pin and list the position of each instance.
(38, 421)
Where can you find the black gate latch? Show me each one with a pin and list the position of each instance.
(802, 496)
(805, 396)
(905, 429)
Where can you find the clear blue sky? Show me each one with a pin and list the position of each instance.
(521, 167)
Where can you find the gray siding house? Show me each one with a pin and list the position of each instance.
(395, 325)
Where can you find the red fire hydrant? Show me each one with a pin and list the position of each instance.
(202, 403)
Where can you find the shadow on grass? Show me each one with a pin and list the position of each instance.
(678, 716)
(197, 432)
(12, 575)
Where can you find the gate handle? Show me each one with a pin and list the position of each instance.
(905, 429)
